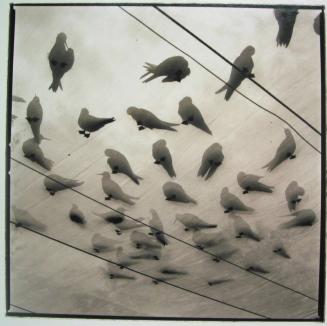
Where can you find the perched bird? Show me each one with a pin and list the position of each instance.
(18, 99)
(147, 254)
(285, 151)
(250, 182)
(193, 222)
(245, 65)
(119, 164)
(218, 281)
(212, 158)
(144, 241)
(113, 190)
(168, 270)
(33, 152)
(89, 123)
(174, 68)
(303, 217)
(243, 229)
(119, 276)
(156, 228)
(123, 259)
(286, 19)
(206, 240)
(174, 192)
(113, 216)
(256, 268)
(34, 115)
(163, 278)
(223, 250)
(316, 24)
(280, 250)
(232, 203)
(162, 156)
(61, 60)
(190, 114)
(292, 194)
(24, 218)
(103, 244)
(54, 183)
(146, 119)
(76, 215)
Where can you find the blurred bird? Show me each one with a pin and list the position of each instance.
(304, 217)
(113, 216)
(61, 60)
(250, 182)
(162, 156)
(190, 114)
(33, 151)
(243, 229)
(156, 228)
(280, 250)
(54, 183)
(232, 203)
(34, 115)
(174, 192)
(193, 222)
(147, 254)
(206, 240)
(113, 190)
(212, 158)
(174, 68)
(292, 194)
(123, 259)
(143, 241)
(286, 19)
(256, 268)
(316, 24)
(285, 151)
(119, 164)
(103, 244)
(89, 123)
(245, 65)
(18, 99)
(222, 250)
(219, 281)
(119, 276)
(146, 119)
(24, 218)
(76, 215)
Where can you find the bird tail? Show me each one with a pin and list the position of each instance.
(136, 179)
(229, 93)
(55, 84)
(150, 70)
(109, 120)
(77, 183)
(211, 226)
(221, 89)
(46, 163)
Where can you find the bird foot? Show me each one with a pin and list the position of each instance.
(138, 246)
(17, 225)
(82, 132)
(298, 200)
(141, 128)
(108, 198)
(155, 257)
(216, 260)
(155, 282)
(227, 211)
(87, 135)
(150, 233)
(186, 229)
(209, 283)
(52, 193)
(118, 232)
(185, 122)
(111, 276)
(156, 162)
(96, 250)
(121, 267)
(245, 192)
(292, 157)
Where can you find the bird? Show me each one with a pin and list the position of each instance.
(119, 276)
(25, 219)
(61, 59)
(33, 152)
(292, 194)
(174, 68)
(146, 119)
(18, 99)
(222, 250)
(256, 268)
(303, 217)
(316, 24)
(123, 259)
(244, 64)
(218, 281)
(212, 158)
(147, 254)
(190, 114)
(156, 228)
(113, 190)
(174, 192)
(88, 123)
(232, 203)
(250, 182)
(162, 156)
(193, 222)
(119, 164)
(144, 241)
(286, 20)
(54, 183)
(103, 244)
(76, 215)
(285, 151)
(34, 116)
(206, 240)
(243, 229)
(280, 250)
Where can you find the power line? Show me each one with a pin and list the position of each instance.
(238, 69)
(167, 234)
(21, 307)
(138, 272)
(220, 79)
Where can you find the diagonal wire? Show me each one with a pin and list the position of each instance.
(138, 272)
(27, 310)
(238, 69)
(220, 79)
(167, 234)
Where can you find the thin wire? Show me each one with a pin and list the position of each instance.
(138, 272)
(220, 79)
(238, 69)
(167, 234)
(21, 307)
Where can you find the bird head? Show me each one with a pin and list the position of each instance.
(84, 111)
(131, 110)
(240, 175)
(249, 50)
(186, 100)
(224, 191)
(287, 132)
(62, 38)
(36, 99)
(108, 152)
